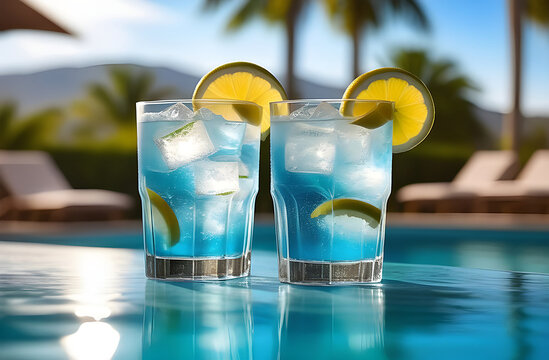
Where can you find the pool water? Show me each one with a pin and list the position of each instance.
(516, 250)
(61, 302)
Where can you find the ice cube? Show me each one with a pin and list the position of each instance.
(303, 113)
(177, 112)
(353, 143)
(243, 171)
(325, 111)
(354, 229)
(242, 196)
(359, 180)
(310, 149)
(204, 114)
(184, 145)
(211, 218)
(344, 225)
(381, 145)
(146, 117)
(227, 136)
(215, 178)
(252, 134)
(314, 128)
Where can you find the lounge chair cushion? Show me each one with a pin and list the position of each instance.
(72, 198)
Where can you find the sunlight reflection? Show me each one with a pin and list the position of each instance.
(95, 282)
(97, 312)
(93, 340)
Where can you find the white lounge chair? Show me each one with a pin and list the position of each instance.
(33, 188)
(529, 193)
(481, 171)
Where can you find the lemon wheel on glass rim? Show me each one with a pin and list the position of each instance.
(414, 110)
(243, 81)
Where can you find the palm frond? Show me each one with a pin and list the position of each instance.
(36, 130)
(410, 10)
(245, 13)
(7, 119)
(212, 4)
(105, 99)
(537, 12)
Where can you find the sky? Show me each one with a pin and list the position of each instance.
(182, 36)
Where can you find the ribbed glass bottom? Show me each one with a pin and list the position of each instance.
(197, 268)
(329, 273)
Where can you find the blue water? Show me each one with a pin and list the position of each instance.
(197, 324)
(517, 250)
(211, 190)
(316, 161)
(61, 302)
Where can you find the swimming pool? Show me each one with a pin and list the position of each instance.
(520, 249)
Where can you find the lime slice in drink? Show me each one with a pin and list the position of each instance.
(182, 131)
(349, 207)
(243, 81)
(164, 218)
(414, 110)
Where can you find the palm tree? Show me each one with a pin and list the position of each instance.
(536, 11)
(456, 122)
(110, 108)
(285, 12)
(116, 101)
(456, 132)
(354, 17)
(35, 131)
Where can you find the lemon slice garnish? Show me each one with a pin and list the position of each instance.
(163, 214)
(414, 110)
(349, 207)
(369, 115)
(242, 81)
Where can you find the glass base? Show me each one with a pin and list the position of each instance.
(197, 268)
(329, 273)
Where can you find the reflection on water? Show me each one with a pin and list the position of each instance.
(94, 339)
(197, 320)
(331, 323)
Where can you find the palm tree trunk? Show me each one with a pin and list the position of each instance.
(511, 131)
(356, 52)
(291, 19)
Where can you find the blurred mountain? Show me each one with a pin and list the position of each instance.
(492, 122)
(60, 87)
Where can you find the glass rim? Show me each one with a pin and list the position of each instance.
(308, 101)
(199, 101)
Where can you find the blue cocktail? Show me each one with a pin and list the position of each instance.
(198, 178)
(331, 178)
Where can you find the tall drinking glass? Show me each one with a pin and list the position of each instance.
(198, 167)
(330, 181)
